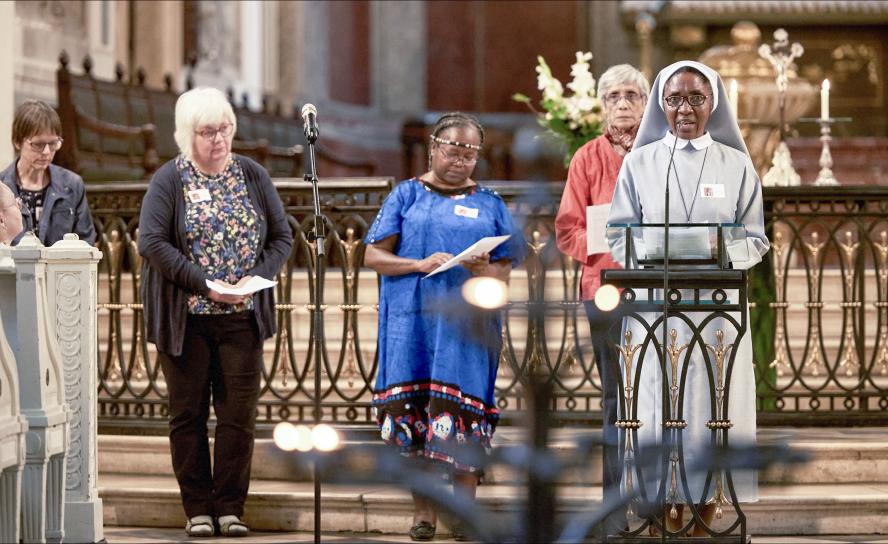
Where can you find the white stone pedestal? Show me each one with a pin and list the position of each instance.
(71, 267)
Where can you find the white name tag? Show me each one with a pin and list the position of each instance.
(463, 211)
(712, 190)
(199, 195)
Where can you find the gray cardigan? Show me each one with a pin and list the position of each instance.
(168, 276)
(64, 210)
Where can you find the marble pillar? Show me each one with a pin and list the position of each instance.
(42, 395)
(13, 426)
(7, 78)
(71, 268)
(398, 56)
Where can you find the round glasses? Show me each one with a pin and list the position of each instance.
(615, 98)
(210, 133)
(694, 100)
(40, 147)
(455, 158)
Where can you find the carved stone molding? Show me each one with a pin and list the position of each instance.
(68, 333)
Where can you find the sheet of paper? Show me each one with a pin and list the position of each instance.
(256, 283)
(596, 229)
(482, 246)
(684, 243)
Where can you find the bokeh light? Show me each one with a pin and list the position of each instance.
(607, 298)
(485, 292)
(325, 437)
(289, 437)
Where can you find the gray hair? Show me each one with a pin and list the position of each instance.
(198, 107)
(622, 74)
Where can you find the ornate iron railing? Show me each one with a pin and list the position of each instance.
(810, 302)
(822, 306)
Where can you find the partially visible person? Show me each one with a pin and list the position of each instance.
(209, 215)
(54, 198)
(591, 179)
(438, 355)
(10, 216)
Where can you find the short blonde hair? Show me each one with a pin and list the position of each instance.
(622, 74)
(199, 107)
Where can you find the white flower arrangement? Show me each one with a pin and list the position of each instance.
(573, 119)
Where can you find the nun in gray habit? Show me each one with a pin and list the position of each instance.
(712, 181)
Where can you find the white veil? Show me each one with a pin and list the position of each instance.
(722, 124)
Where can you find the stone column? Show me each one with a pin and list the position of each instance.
(102, 33)
(159, 41)
(71, 267)
(42, 395)
(315, 76)
(398, 56)
(13, 427)
(219, 46)
(7, 77)
(291, 50)
(251, 54)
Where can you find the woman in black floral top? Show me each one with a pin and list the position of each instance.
(210, 216)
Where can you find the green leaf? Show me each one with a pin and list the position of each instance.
(518, 97)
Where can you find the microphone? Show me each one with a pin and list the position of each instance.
(310, 122)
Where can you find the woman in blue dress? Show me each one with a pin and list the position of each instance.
(438, 355)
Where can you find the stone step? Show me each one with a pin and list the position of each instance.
(837, 456)
(153, 501)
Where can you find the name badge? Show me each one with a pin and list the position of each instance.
(712, 190)
(199, 195)
(463, 211)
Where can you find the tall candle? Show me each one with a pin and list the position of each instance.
(824, 100)
(733, 97)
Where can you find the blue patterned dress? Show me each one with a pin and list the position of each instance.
(438, 356)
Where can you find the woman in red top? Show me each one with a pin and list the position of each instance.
(591, 179)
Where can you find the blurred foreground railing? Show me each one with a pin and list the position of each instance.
(819, 317)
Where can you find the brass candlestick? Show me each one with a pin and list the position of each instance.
(826, 177)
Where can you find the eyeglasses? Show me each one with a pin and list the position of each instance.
(614, 98)
(210, 133)
(39, 147)
(455, 158)
(695, 100)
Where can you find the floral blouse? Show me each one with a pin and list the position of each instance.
(221, 229)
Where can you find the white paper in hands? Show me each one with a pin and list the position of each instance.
(256, 283)
(482, 246)
(596, 229)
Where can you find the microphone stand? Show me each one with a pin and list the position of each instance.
(665, 354)
(318, 235)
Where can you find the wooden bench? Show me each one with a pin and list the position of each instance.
(105, 137)
(119, 130)
(275, 132)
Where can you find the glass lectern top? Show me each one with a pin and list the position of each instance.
(689, 244)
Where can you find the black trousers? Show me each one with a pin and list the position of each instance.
(221, 358)
(605, 328)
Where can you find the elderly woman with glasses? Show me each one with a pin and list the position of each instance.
(210, 220)
(591, 179)
(53, 198)
(690, 132)
(438, 356)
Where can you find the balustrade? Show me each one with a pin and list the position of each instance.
(816, 360)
